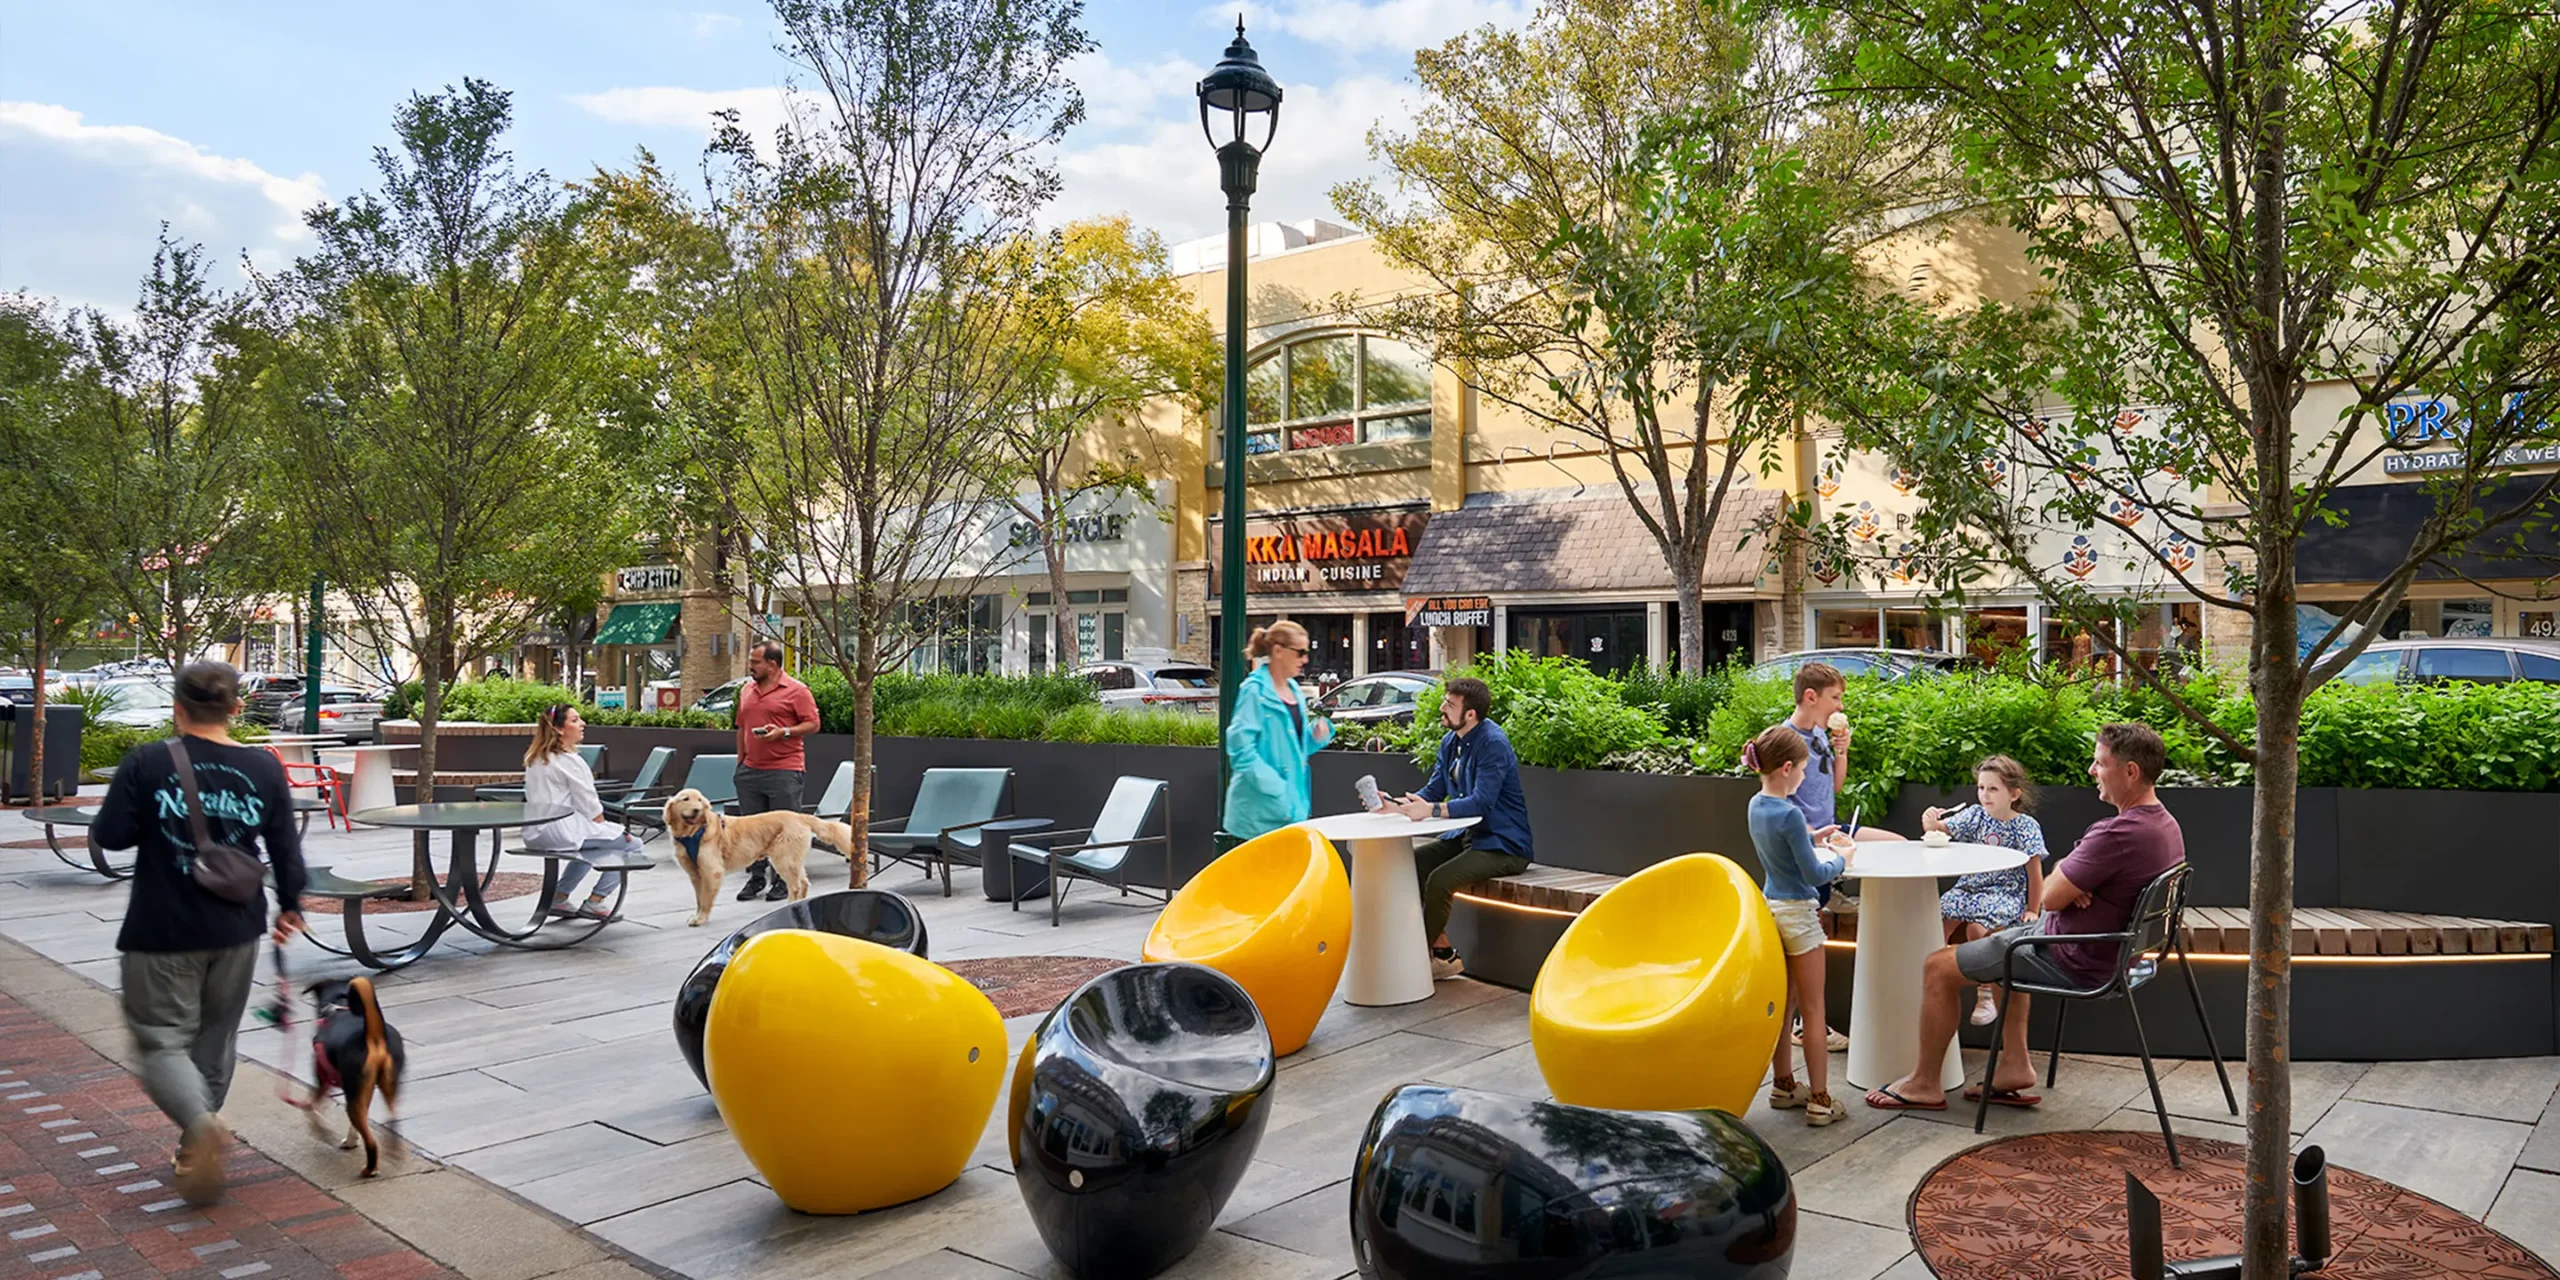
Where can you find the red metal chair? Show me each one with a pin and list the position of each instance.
(322, 781)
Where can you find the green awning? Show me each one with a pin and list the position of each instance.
(638, 624)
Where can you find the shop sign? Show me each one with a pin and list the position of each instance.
(1110, 526)
(2413, 423)
(649, 577)
(2521, 455)
(1448, 611)
(1319, 554)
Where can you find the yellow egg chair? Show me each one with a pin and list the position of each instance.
(854, 1076)
(1275, 915)
(1666, 994)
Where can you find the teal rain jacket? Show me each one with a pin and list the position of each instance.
(1267, 787)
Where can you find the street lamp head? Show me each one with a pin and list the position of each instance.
(1239, 90)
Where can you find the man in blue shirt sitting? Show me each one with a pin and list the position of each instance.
(1477, 777)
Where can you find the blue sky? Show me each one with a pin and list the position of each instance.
(227, 120)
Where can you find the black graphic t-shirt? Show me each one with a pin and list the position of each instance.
(246, 806)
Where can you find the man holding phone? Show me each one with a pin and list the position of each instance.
(774, 713)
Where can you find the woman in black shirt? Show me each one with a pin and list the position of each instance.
(189, 956)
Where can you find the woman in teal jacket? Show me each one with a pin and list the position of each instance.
(1272, 734)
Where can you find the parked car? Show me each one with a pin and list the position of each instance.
(1388, 697)
(18, 687)
(139, 702)
(1130, 685)
(2480, 661)
(723, 700)
(1892, 664)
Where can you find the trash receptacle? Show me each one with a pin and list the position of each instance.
(62, 722)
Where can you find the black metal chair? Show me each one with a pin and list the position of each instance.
(2148, 939)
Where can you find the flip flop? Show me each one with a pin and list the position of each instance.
(1901, 1103)
(2003, 1097)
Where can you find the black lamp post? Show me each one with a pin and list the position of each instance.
(1235, 96)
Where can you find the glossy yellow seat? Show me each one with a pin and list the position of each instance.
(854, 1076)
(1663, 995)
(1275, 915)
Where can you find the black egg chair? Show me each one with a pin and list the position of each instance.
(1454, 1182)
(873, 915)
(1135, 1110)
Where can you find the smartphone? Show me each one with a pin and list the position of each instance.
(1853, 824)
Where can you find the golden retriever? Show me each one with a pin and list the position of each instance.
(712, 844)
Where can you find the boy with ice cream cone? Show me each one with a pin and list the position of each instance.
(1825, 729)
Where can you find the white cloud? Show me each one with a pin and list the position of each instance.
(711, 25)
(760, 111)
(1167, 177)
(84, 201)
(1117, 97)
(1369, 26)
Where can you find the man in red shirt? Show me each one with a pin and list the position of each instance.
(774, 713)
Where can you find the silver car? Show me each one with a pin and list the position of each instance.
(1129, 686)
(2479, 661)
(139, 702)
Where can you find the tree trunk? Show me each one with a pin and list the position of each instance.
(1693, 624)
(2266, 1247)
(1068, 655)
(430, 710)
(35, 750)
(865, 671)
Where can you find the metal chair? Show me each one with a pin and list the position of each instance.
(323, 782)
(716, 777)
(1102, 856)
(592, 753)
(2148, 939)
(948, 802)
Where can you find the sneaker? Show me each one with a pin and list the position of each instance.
(778, 892)
(1445, 968)
(1790, 1097)
(1820, 1110)
(1843, 905)
(1985, 1009)
(199, 1167)
(754, 888)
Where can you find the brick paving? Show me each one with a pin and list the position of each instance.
(85, 1188)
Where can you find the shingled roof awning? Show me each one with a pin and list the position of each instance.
(1548, 541)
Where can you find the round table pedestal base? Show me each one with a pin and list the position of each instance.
(1897, 929)
(1390, 960)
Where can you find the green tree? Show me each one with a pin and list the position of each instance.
(1638, 215)
(49, 590)
(871, 299)
(2234, 205)
(194, 552)
(435, 391)
(1105, 331)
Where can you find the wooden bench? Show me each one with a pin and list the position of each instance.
(2317, 931)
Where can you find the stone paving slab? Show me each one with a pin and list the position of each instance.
(552, 1076)
(85, 1186)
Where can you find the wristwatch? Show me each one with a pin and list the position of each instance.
(1439, 808)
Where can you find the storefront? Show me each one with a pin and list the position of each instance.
(1566, 573)
(2501, 586)
(1338, 573)
(998, 610)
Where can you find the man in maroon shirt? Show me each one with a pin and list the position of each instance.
(2091, 891)
(774, 713)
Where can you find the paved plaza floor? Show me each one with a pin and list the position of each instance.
(554, 1129)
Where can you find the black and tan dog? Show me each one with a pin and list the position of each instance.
(356, 1051)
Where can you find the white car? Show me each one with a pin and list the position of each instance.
(139, 702)
(1130, 685)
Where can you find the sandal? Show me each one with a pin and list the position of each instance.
(2019, 1098)
(1821, 1110)
(1900, 1103)
(1789, 1096)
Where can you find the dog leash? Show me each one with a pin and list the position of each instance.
(279, 1011)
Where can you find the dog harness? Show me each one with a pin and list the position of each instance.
(692, 845)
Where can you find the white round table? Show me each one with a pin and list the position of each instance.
(1898, 927)
(297, 748)
(1390, 961)
(369, 774)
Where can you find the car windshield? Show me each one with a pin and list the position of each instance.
(136, 694)
(1185, 678)
(2371, 667)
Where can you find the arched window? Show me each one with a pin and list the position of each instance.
(1335, 389)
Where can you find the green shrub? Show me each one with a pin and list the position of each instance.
(1154, 727)
(1686, 703)
(102, 746)
(623, 716)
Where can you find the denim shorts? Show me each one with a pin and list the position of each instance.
(1799, 924)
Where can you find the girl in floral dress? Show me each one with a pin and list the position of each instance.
(1988, 901)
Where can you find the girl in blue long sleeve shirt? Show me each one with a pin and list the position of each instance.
(1794, 863)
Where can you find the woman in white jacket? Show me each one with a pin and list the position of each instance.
(555, 774)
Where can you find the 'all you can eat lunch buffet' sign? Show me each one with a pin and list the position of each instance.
(1324, 554)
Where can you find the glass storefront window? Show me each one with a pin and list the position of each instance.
(1322, 373)
(1611, 640)
(1846, 628)
(1266, 390)
(2467, 619)
(1995, 633)
(1394, 375)
(2068, 644)
(1337, 389)
(1911, 629)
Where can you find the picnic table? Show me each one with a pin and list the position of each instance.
(52, 817)
(462, 895)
